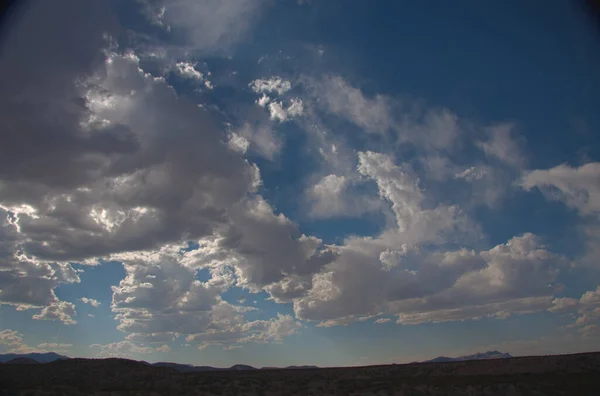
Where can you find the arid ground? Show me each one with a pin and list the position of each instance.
(545, 375)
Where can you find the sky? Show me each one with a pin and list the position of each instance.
(274, 183)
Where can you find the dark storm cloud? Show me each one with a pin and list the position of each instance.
(46, 49)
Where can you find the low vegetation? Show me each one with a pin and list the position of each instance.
(547, 375)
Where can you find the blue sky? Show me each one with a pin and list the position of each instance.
(299, 182)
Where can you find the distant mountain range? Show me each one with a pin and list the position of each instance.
(291, 368)
(38, 357)
(188, 368)
(478, 356)
(22, 360)
(33, 358)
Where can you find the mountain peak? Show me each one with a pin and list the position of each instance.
(476, 356)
